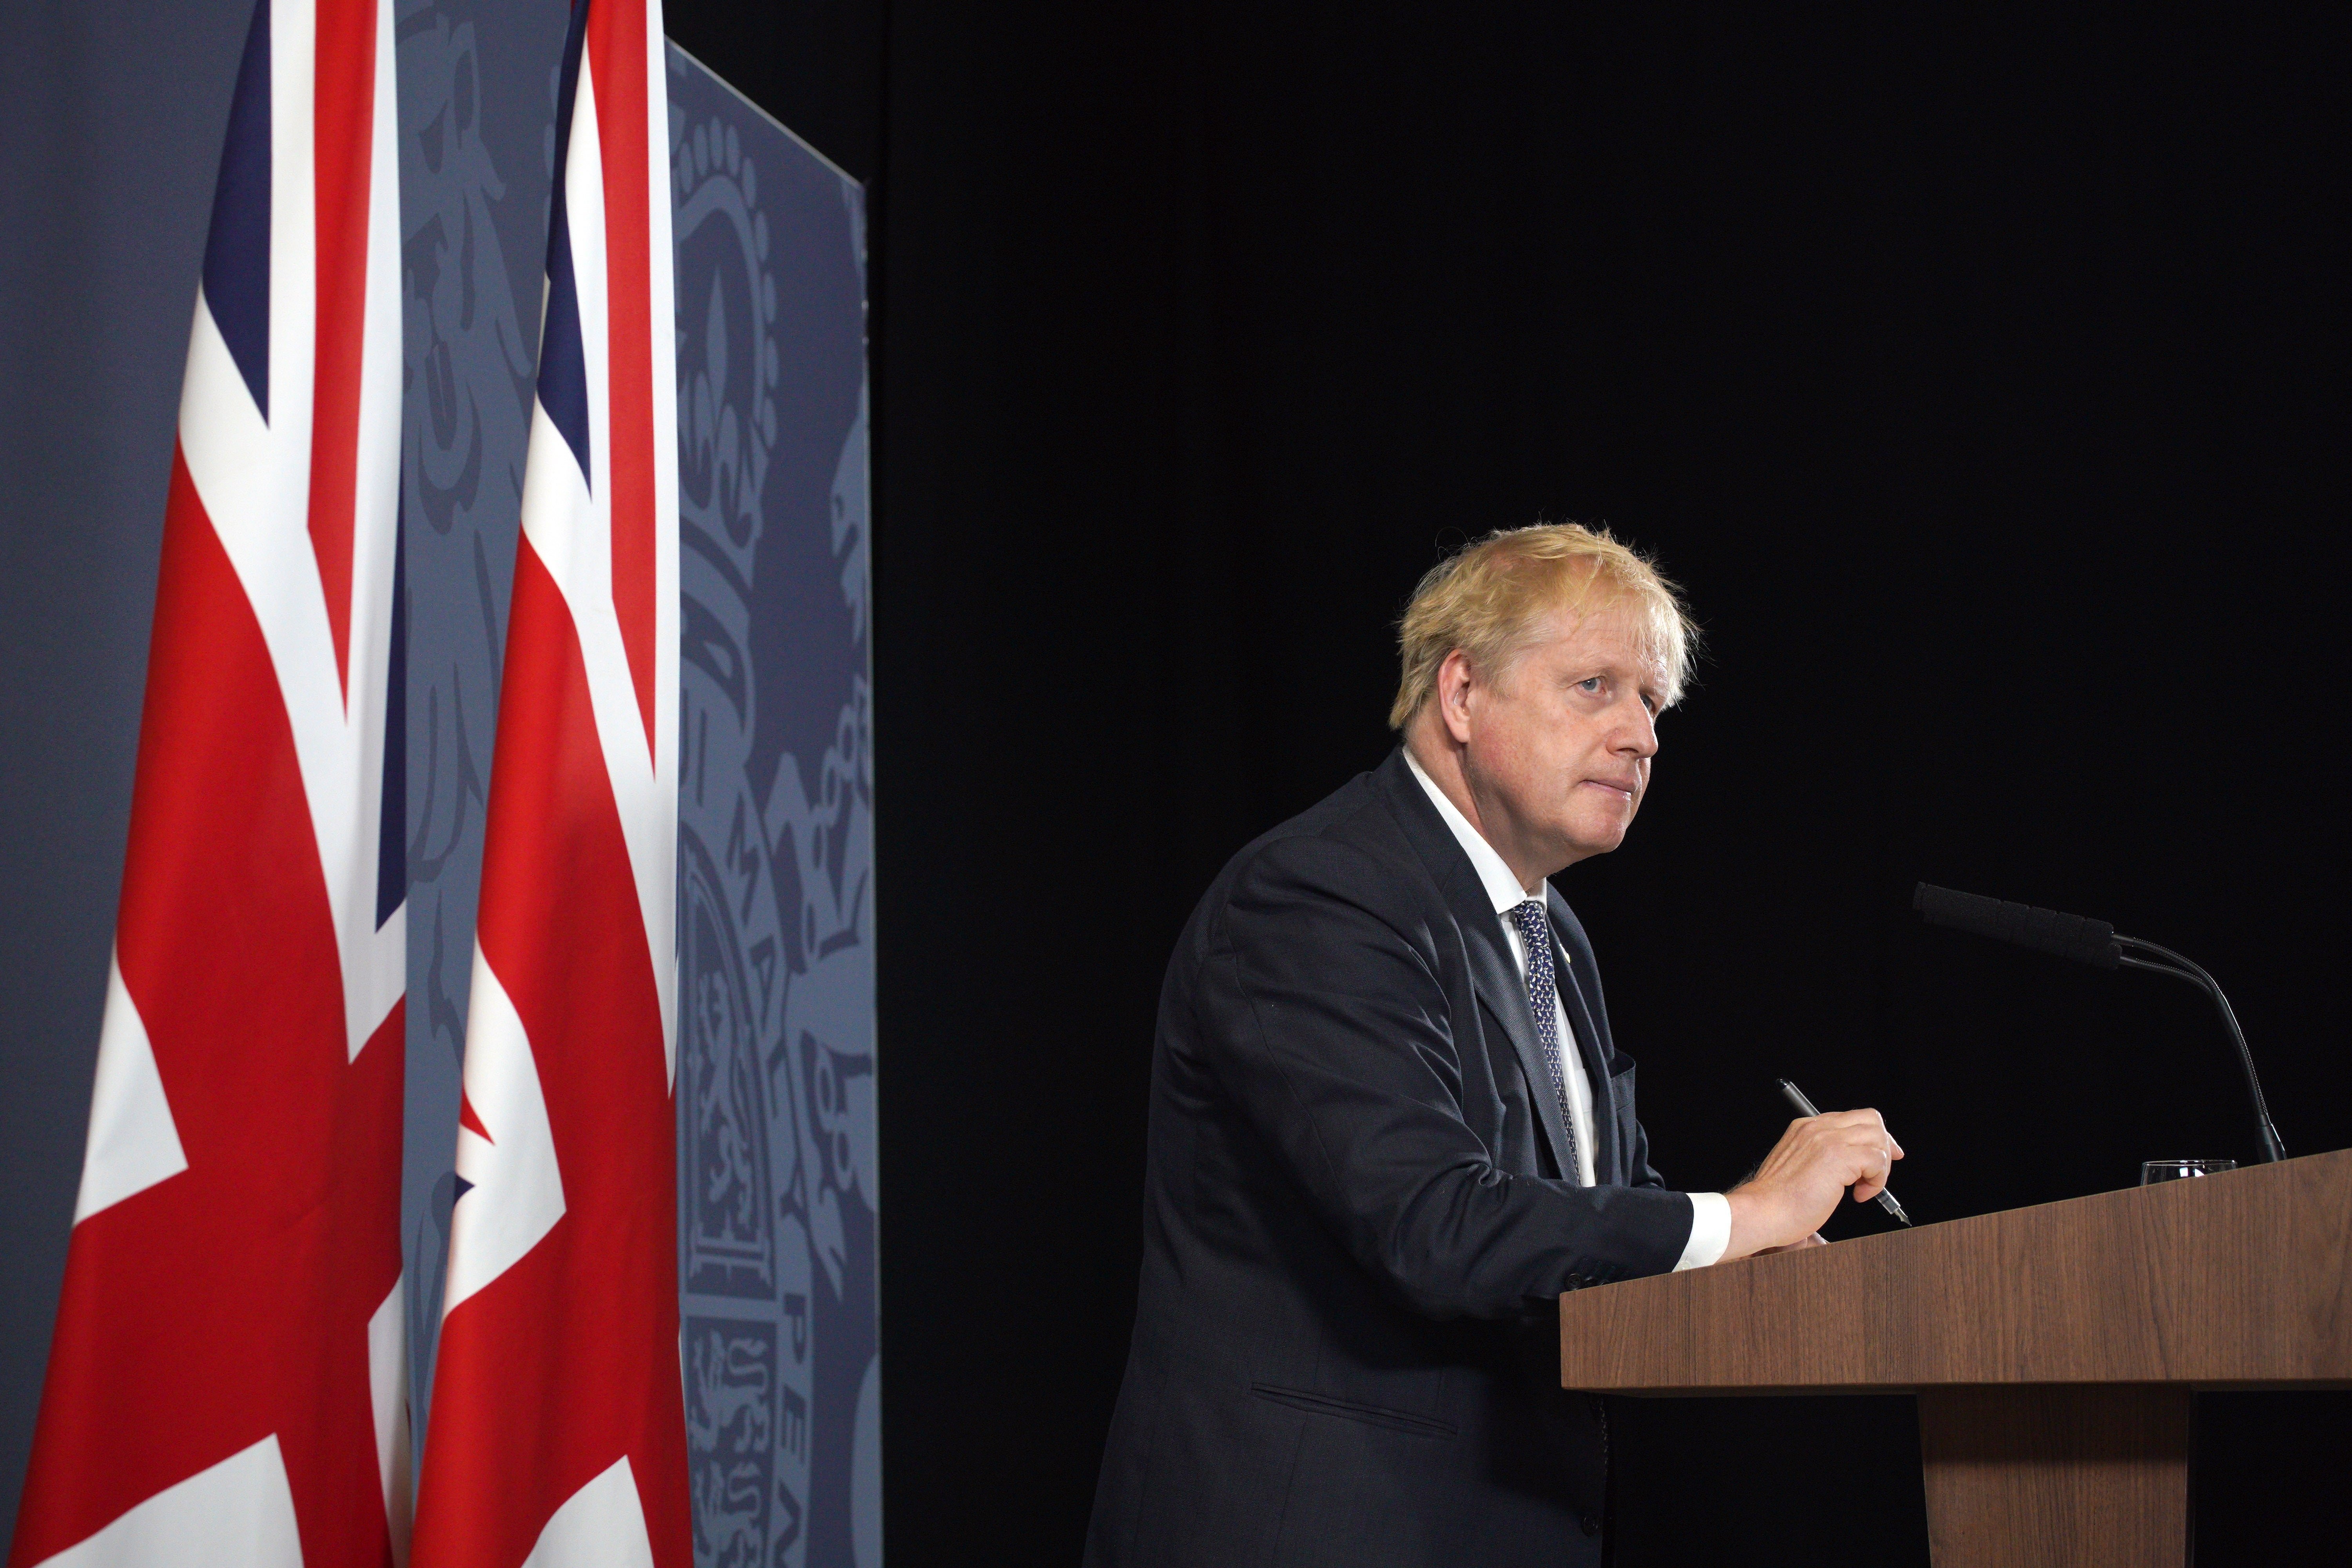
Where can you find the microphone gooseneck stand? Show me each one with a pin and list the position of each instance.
(2183, 968)
(2095, 942)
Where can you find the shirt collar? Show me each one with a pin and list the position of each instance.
(1493, 872)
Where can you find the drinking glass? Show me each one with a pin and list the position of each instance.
(2173, 1170)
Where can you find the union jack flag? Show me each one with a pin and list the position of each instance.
(558, 1425)
(227, 1385)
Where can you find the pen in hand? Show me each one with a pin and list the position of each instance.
(1796, 1097)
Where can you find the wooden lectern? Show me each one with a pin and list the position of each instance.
(2054, 1350)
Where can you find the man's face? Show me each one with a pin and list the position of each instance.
(1556, 751)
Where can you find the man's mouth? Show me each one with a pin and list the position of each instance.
(1620, 787)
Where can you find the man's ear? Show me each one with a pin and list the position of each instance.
(1455, 680)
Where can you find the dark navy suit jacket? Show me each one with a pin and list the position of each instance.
(1355, 1229)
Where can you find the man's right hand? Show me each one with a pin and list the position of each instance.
(1796, 1189)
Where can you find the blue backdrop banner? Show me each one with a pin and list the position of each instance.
(775, 1071)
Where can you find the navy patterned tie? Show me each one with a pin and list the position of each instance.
(1543, 995)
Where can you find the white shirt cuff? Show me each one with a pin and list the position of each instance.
(1710, 1230)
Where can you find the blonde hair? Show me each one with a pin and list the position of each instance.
(1488, 597)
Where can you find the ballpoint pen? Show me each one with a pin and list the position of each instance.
(1796, 1097)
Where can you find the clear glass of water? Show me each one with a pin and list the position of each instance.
(2175, 1169)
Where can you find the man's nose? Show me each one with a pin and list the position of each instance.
(1637, 734)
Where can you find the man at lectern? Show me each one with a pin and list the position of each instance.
(1388, 1127)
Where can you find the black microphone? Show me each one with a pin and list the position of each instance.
(2045, 930)
(2094, 943)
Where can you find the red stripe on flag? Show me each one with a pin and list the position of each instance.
(344, 122)
(470, 1121)
(568, 1360)
(615, 56)
(231, 1300)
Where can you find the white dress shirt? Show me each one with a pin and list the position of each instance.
(1710, 1212)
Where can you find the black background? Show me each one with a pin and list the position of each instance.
(1979, 374)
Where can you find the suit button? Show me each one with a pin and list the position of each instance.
(1591, 1522)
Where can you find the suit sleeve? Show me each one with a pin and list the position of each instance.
(1327, 1023)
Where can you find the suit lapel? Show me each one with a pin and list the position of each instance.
(1493, 973)
(1496, 977)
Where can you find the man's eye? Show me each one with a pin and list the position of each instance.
(1590, 683)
